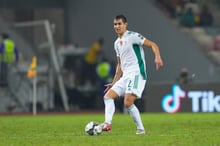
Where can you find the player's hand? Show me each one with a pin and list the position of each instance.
(108, 86)
(158, 62)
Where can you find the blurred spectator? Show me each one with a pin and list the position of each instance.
(170, 6)
(193, 5)
(188, 19)
(90, 61)
(8, 55)
(206, 17)
(183, 77)
(104, 73)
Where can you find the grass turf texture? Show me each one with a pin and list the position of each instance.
(182, 129)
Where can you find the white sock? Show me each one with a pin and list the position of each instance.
(135, 114)
(109, 110)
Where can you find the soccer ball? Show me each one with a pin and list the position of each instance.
(93, 128)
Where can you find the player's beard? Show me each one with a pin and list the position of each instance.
(120, 32)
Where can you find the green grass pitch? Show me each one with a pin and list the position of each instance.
(181, 129)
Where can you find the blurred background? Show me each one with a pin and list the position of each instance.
(61, 33)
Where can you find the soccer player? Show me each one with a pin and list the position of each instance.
(130, 75)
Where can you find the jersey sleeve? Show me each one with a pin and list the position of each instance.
(138, 39)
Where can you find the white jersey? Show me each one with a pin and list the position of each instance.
(129, 49)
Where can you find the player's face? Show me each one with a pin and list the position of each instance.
(119, 26)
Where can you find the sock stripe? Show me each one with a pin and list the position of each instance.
(107, 98)
(130, 107)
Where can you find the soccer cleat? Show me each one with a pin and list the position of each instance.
(140, 132)
(106, 127)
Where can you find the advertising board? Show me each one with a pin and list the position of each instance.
(173, 98)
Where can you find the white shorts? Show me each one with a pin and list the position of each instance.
(132, 83)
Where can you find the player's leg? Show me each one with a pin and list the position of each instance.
(134, 89)
(109, 105)
(116, 91)
(134, 112)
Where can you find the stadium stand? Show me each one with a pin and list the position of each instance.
(206, 36)
(17, 97)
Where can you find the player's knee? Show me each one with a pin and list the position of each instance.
(128, 103)
(129, 100)
(110, 94)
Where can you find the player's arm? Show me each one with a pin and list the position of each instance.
(158, 61)
(118, 71)
(118, 74)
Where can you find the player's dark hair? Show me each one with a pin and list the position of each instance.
(122, 17)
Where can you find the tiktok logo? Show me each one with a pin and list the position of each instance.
(201, 100)
(171, 102)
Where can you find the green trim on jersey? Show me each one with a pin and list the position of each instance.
(136, 81)
(117, 51)
(140, 60)
(131, 32)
